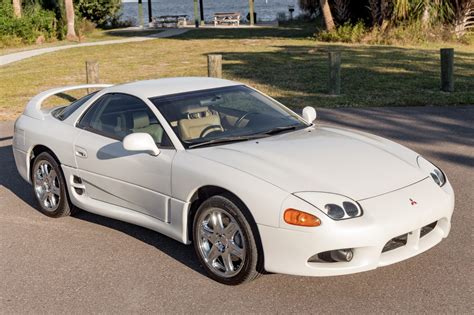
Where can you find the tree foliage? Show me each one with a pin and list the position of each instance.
(98, 11)
(310, 7)
(458, 14)
(33, 23)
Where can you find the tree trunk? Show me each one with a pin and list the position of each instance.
(386, 10)
(71, 32)
(17, 8)
(326, 10)
(425, 18)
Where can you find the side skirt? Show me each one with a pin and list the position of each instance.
(178, 211)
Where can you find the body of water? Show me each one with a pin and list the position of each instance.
(266, 9)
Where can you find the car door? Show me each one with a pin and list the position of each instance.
(133, 180)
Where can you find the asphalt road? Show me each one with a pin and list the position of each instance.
(89, 263)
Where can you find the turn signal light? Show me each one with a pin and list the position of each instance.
(297, 217)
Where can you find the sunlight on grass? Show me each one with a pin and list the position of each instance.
(292, 69)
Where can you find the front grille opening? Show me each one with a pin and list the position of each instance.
(428, 228)
(395, 243)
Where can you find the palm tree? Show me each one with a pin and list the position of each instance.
(464, 16)
(71, 32)
(17, 8)
(375, 12)
(326, 10)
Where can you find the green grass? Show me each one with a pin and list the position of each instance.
(284, 63)
(94, 36)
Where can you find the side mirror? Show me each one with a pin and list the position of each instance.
(140, 142)
(309, 114)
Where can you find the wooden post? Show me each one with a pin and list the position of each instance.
(150, 12)
(334, 83)
(201, 7)
(92, 73)
(251, 11)
(447, 69)
(196, 13)
(140, 13)
(214, 66)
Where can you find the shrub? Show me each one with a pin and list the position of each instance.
(35, 22)
(84, 27)
(281, 16)
(408, 33)
(100, 12)
(117, 22)
(346, 33)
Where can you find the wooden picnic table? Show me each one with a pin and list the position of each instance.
(231, 18)
(170, 20)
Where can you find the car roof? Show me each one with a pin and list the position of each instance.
(168, 86)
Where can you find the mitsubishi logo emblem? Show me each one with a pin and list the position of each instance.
(413, 202)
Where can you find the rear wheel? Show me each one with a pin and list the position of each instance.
(224, 242)
(50, 187)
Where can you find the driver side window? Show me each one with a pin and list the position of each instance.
(117, 115)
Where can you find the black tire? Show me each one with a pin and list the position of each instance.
(63, 206)
(249, 267)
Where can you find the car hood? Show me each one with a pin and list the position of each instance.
(325, 159)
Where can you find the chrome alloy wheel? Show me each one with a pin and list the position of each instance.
(221, 242)
(47, 186)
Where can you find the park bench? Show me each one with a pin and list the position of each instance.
(171, 21)
(227, 18)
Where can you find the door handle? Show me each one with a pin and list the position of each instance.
(80, 152)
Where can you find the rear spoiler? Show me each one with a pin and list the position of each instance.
(33, 108)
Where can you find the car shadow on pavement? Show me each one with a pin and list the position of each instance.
(180, 252)
(11, 180)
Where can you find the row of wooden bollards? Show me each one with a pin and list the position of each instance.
(214, 69)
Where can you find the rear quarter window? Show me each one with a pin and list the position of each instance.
(67, 111)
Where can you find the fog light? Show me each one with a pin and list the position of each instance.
(342, 255)
(332, 256)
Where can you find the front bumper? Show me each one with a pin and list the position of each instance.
(385, 217)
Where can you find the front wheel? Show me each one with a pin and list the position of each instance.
(224, 242)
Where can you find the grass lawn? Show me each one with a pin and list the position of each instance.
(284, 63)
(95, 36)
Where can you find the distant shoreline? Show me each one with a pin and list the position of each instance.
(265, 11)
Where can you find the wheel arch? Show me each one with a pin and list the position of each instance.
(205, 192)
(34, 152)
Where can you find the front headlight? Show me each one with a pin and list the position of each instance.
(436, 174)
(337, 207)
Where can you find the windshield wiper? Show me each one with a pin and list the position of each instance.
(224, 140)
(281, 129)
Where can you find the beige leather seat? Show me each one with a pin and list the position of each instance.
(199, 122)
(141, 123)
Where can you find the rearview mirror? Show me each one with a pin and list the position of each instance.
(309, 114)
(140, 142)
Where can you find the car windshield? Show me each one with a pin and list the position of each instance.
(223, 115)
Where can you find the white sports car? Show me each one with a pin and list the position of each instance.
(251, 184)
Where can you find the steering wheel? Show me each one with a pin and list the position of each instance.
(239, 121)
(210, 129)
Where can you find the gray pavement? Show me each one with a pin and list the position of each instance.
(14, 57)
(89, 263)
